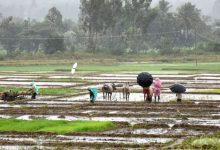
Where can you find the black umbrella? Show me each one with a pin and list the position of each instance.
(145, 79)
(178, 88)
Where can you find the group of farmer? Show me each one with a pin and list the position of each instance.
(149, 92)
(154, 91)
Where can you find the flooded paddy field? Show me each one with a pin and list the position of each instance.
(140, 125)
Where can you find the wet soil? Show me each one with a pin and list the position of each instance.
(140, 125)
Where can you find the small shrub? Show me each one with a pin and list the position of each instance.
(3, 54)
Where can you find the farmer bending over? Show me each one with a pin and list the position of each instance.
(148, 93)
(34, 90)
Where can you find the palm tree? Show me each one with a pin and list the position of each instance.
(189, 18)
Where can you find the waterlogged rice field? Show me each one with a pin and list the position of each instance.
(141, 125)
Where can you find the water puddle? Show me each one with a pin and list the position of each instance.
(62, 77)
(137, 97)
(216, 114)
(132, 120)
(20, 147)
(40, 83)
(155, 75)
(91, 139)
(203, 121)
(49, 102)
(5, 116)
(207, 78)
(19, 76)
(24, 117)
(156, 131)
(18, 139)
(9, 106)
(186, 132)
(16, 79)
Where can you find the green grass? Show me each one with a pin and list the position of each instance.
(152, 67)
(59, 127)
(15, 89)
(44, 91)
(202, 142)
(212, 142)
(79, 80)
(58, 91)
(209, 91)
(123, 67)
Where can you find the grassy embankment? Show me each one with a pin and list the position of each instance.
(215, 91)
(58, 126)
(44, 91)
(78, 80)
(120, 67)
(202, 142)
(103, 57)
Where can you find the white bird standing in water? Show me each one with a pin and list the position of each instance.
(73, 70)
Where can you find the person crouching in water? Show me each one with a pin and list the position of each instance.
(148, 94)
(157, 89)
(93, 94)
(34, 90)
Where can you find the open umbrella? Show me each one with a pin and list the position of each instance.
(145, 79)
(93, 94)
(178, 88)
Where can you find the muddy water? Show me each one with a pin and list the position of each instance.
(9, 106)
(49, 102)
(153, 131)
(164, 78)
(171, 120)
(203, 121)
(117, 140)
(131, 120)
(137, 97)
(157, 131)
(207, 78)
(90, 139)
(39, 83)
(20, 147)
(17, 79)
(155, 75)
(19, 76)
(62, 77)
(155, 120)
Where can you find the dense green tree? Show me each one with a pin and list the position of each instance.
(54, 18)
(92, 21)
(9, 31)
(162, 30)
(138, 16)
(190, 18)
(55, 38)
(54, 43)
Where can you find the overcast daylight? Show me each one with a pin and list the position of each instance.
(37, 9)
(109, 74)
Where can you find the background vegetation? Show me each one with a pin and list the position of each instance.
(131, 28)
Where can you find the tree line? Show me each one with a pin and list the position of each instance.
(112, 26)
